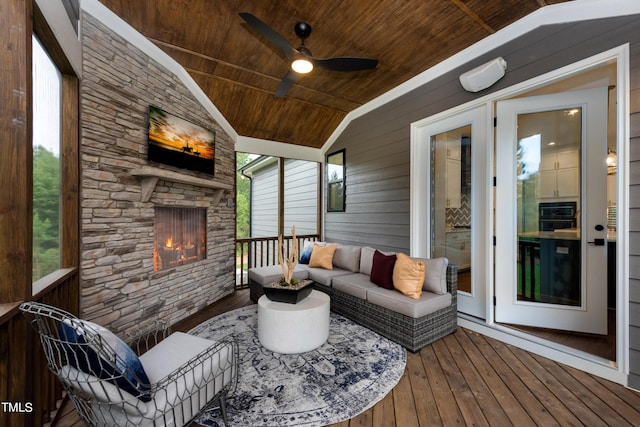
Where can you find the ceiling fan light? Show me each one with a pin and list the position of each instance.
(302, 66)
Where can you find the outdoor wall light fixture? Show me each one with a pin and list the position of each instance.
(483, 76)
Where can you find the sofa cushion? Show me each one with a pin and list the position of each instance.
(366, 259)
(347, 257)
(324, 276)
(393, 300)
(322, 256)
(435, 274)
(382, 269)
(354, 284)
(408, 276)
(273, 273)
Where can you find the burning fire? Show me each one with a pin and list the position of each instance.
(180, 236)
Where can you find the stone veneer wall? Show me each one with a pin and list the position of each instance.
(119, 288)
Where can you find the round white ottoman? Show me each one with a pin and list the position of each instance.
(294, 328)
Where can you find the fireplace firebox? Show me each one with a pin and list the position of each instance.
(180, 236)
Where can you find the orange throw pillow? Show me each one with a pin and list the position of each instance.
(322, 256)
(408, 276)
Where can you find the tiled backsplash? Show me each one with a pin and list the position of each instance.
(460, 217)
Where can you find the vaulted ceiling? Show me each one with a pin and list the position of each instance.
(240, 71)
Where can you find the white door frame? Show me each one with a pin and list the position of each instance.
(479, 117)
(419, 229)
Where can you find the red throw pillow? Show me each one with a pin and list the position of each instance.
(382, 269)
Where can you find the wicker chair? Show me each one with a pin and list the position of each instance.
(181, 376)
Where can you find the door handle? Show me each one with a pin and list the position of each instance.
(597, 242)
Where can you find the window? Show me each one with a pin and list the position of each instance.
(47, 94)
(335, 182)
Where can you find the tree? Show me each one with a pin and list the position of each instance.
(242, 197)
(46, 212)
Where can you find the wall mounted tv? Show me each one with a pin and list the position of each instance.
(177, 142)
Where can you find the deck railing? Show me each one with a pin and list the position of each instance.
(26, 383)
(263, 251)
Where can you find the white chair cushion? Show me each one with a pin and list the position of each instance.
(122, 365)
(174, 352)
(160, 361)
(102, 390)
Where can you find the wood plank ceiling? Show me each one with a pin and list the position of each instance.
(240, 71)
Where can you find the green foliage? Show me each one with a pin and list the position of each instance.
(242, 197)
(284, 283)
(46, 212)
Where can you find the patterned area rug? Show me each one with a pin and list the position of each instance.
(347, 375)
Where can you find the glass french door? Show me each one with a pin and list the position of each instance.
(451, 200)
(551, 211)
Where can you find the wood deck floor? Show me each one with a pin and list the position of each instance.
(469, 379)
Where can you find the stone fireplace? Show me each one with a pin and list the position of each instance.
(124, 282)
(180, 236)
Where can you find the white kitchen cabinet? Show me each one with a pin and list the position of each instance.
(612, 187)
(458, 248)
(454, 183)
(454, 170)
(559, 174)
(454, 150)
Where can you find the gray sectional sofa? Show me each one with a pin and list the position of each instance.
(410, 322)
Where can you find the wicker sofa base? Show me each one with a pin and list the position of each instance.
(412, 333)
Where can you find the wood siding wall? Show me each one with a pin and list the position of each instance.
(264, 202)
(300, 196)
(378, 153)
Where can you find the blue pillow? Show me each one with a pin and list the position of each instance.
(128, 372)
(305, 255)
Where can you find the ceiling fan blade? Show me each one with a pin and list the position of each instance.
(286, 84)
(270, 34)
(345, 64)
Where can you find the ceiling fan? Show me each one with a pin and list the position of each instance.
(302, 62)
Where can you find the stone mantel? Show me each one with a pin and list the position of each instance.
(149, 177)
